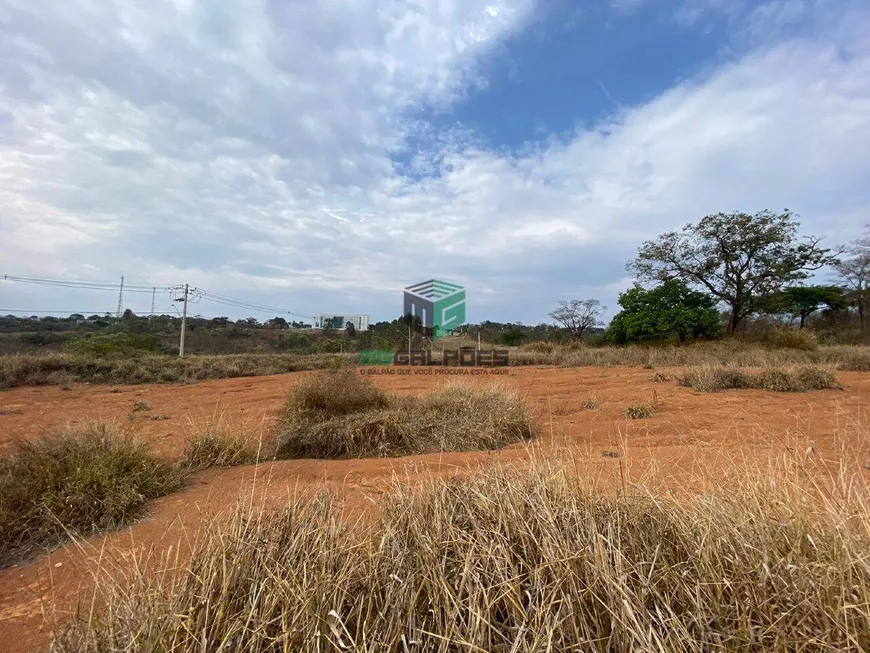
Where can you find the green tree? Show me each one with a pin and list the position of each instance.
(350, 330)
(802, 301)
(668, 310)
(736, 257)
(413, 321)
(511, 336)
(278, 323)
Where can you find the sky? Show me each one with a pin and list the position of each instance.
(319, 156)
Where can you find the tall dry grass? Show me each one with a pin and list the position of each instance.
(796, 379)
(219, 443)
(734, 353)
(77, 480)
(59, 369)
(342, 414)
(516, 560)
(54, 369)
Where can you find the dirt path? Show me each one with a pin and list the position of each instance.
(683, 444)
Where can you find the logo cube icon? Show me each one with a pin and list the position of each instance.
(440, 305)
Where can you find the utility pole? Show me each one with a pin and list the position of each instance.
(153, 297)
(183, 323)
(478, 341)
(120, 298)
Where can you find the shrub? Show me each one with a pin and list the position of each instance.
(638, 411)
(114, 344)
(343, 415)
(714, 379)
(331, 346)
(858, 361)
(782, 337)
(510, 560)
(217, 445)
(798, 379)
(816, 378)
(670, 310)
(82, 479)
(332, 394)
(512, 336)
(659, 377)
(591, 404)
(540, 346)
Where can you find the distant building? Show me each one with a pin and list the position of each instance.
(339, 321)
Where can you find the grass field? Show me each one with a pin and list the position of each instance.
(644, 514)
(63, 369)
(58, 369)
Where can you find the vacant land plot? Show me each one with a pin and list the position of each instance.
(686, 444)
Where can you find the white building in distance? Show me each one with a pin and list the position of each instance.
(339, 321)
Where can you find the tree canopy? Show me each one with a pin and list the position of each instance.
(669, 310)
(578, 315)
(802, 301)
(736, 257)
(854, 271)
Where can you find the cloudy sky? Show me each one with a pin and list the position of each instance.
(320, 155)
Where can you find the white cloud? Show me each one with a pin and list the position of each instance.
(248, 147)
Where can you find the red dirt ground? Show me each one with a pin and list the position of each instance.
(685, 444)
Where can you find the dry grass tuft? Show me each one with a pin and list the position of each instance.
(659, 377)
(219, 444)
(513, 560)
(798, 379)
(79, 480)
(334, 394)
(638, 411)
(591, 404)
(343, 415)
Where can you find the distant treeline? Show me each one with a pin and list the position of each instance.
(736, 275)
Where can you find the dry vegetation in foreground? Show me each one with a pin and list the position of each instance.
(798, 379)
(513, 560)
(344, 415)
(77, 481)
(219, 444)
(59, 369)
(638, 411)
(98, 476)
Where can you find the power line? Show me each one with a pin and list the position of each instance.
(82, 284)
(99, 312)
(195, 294)
(237, 303)
(102, 314)
(65, 280)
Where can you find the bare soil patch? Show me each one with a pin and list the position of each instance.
(681, 445)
